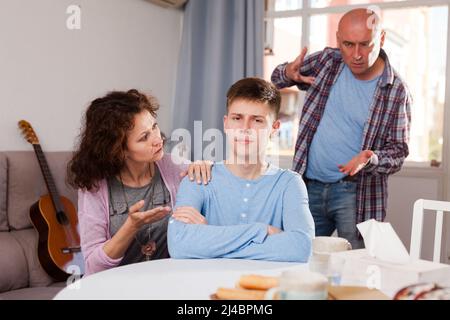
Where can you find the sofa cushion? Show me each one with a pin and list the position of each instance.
(3, 194)
(28, 240)
(39, 293)
(13, 264)
(26, 184)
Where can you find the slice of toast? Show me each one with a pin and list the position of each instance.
(257, 282)
(239, 294)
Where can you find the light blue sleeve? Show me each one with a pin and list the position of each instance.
(190, 194)
(294, 243)
(207, 241)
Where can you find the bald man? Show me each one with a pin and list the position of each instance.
(354, 127)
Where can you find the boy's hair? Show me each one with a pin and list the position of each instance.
(255, 90)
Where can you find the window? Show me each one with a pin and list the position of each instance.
(331, 3)
(416, 43)
(287, 34)
(283, 5)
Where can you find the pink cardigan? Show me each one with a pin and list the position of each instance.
(93, 216)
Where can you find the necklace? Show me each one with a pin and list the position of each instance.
(148, 247)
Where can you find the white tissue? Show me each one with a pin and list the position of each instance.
(382, 242)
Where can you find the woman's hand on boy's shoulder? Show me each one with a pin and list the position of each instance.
(199, 170)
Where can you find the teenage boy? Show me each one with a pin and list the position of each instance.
(251, 209)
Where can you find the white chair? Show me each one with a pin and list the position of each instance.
(417, 224)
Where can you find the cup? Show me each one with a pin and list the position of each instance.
(335, 269)
(330, 244)
(299, 285)
(320, 262)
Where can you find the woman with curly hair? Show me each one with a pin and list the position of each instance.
(127, 185)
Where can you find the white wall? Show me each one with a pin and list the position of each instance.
(49, 74)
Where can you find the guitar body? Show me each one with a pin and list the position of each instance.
(56, 221)
(59, 244)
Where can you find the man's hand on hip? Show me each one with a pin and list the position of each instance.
(357, 163)
(293, 69)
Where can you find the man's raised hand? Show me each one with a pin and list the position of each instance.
(293, 69)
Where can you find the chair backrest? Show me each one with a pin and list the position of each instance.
(417, 225)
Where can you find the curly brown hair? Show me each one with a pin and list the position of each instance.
(103, 139)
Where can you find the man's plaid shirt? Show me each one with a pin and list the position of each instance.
(386, 132)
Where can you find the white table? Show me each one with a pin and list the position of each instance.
(170, 279)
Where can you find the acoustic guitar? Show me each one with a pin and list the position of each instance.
(56, 221)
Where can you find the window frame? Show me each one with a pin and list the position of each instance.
(410, 168)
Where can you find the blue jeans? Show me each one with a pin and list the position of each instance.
(333, 206)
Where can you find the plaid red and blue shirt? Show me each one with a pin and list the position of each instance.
(386, 131)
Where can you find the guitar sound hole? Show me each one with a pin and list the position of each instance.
(62, 218)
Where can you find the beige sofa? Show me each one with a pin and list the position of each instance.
(22, 184)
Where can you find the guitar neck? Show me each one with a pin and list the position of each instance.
(51, 186)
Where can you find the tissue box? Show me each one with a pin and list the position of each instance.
(360, 269)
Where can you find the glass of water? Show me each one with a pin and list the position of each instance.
(334, 270)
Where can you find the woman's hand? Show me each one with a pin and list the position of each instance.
(199, 170)
(118, 244)
(139, 218)
(189, 215)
